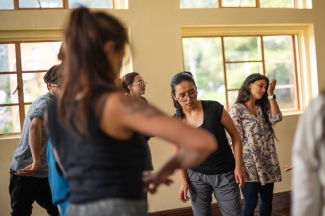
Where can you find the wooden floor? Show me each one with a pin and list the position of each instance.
(282, 212)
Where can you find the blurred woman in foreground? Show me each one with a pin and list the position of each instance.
(95, 128)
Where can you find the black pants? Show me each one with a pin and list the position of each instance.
(25, 190)
(250, 191)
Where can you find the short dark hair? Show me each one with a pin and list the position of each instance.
(53, 75)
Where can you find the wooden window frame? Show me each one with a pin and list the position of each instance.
(296, 4)
(302, 50)
(20, 86)
(65, 4)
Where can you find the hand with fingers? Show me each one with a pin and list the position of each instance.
(272, 84)
(182, 193)
(151, 181)
(288, 168)
(240, 176)
(29, 170)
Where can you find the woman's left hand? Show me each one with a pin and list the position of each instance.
(272, 84)
(240, 176)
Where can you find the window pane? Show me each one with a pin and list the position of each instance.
(232, 97)
(238, 3)
(39, 56)
(8, 84)
(279, 58)
(44, 3)
(91, 4)
(199, 3)
(34, 86)
(286, 98)
(277, 3)
(242, 49)
(203, 57)
(9, 119)
(6, 4)
(26, 109)
(237, 73)
(7, 57)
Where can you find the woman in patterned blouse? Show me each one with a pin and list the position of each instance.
(254, 114)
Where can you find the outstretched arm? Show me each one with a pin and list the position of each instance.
(129, 114)
(35, 147)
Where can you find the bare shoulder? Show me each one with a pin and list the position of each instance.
(129, 105)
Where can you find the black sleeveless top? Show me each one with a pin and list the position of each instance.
(222, 160)
(100, 169)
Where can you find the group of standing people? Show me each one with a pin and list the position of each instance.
(100, 135)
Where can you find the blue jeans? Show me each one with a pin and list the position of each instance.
(250, 191)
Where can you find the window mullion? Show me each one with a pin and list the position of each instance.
(295, 70)
(16, 6)
(219, 3)
(65, 4)
(258, 4)
(224, 71)
(262, 53)
(20, 85)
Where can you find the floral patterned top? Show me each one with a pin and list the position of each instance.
(259, 153)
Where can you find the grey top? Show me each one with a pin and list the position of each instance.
(23, 155)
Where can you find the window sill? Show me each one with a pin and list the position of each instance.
(292, 113)
(10, 136)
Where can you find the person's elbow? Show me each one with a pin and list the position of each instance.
(35, 125)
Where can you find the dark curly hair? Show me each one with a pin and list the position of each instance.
(244, 94)
(176, 80)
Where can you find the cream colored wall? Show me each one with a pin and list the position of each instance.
(155, 27)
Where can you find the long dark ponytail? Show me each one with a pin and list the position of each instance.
(87, 69)
(176, 80)
(264, 103)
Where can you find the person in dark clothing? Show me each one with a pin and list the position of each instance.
(95, 128)
(220, 173)
(134, 85)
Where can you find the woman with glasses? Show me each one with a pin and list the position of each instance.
(95, 128)
(134, 85)
(254, 114)
(220, 173)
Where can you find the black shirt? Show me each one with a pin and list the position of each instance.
(222, 160)
(100, 169)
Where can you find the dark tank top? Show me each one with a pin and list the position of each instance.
(222, 160)
(102, 168)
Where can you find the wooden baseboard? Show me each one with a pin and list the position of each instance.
(281, 200)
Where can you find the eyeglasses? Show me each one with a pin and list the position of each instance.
(55, 86)
(141, 83)
(191, 94)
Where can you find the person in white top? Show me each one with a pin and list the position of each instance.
(309, 161)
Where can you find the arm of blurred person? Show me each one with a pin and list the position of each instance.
(229, 125)
(288, 168)
(35, 147)
(129, 114)
(307, 189)
(182, 193)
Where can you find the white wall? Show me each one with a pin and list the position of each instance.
(155, 27)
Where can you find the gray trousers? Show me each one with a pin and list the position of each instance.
(109, 207)
(226, 192)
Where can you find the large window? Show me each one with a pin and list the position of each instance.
(237, 3)
(61, 4)
(220, 65)
(22, 67)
